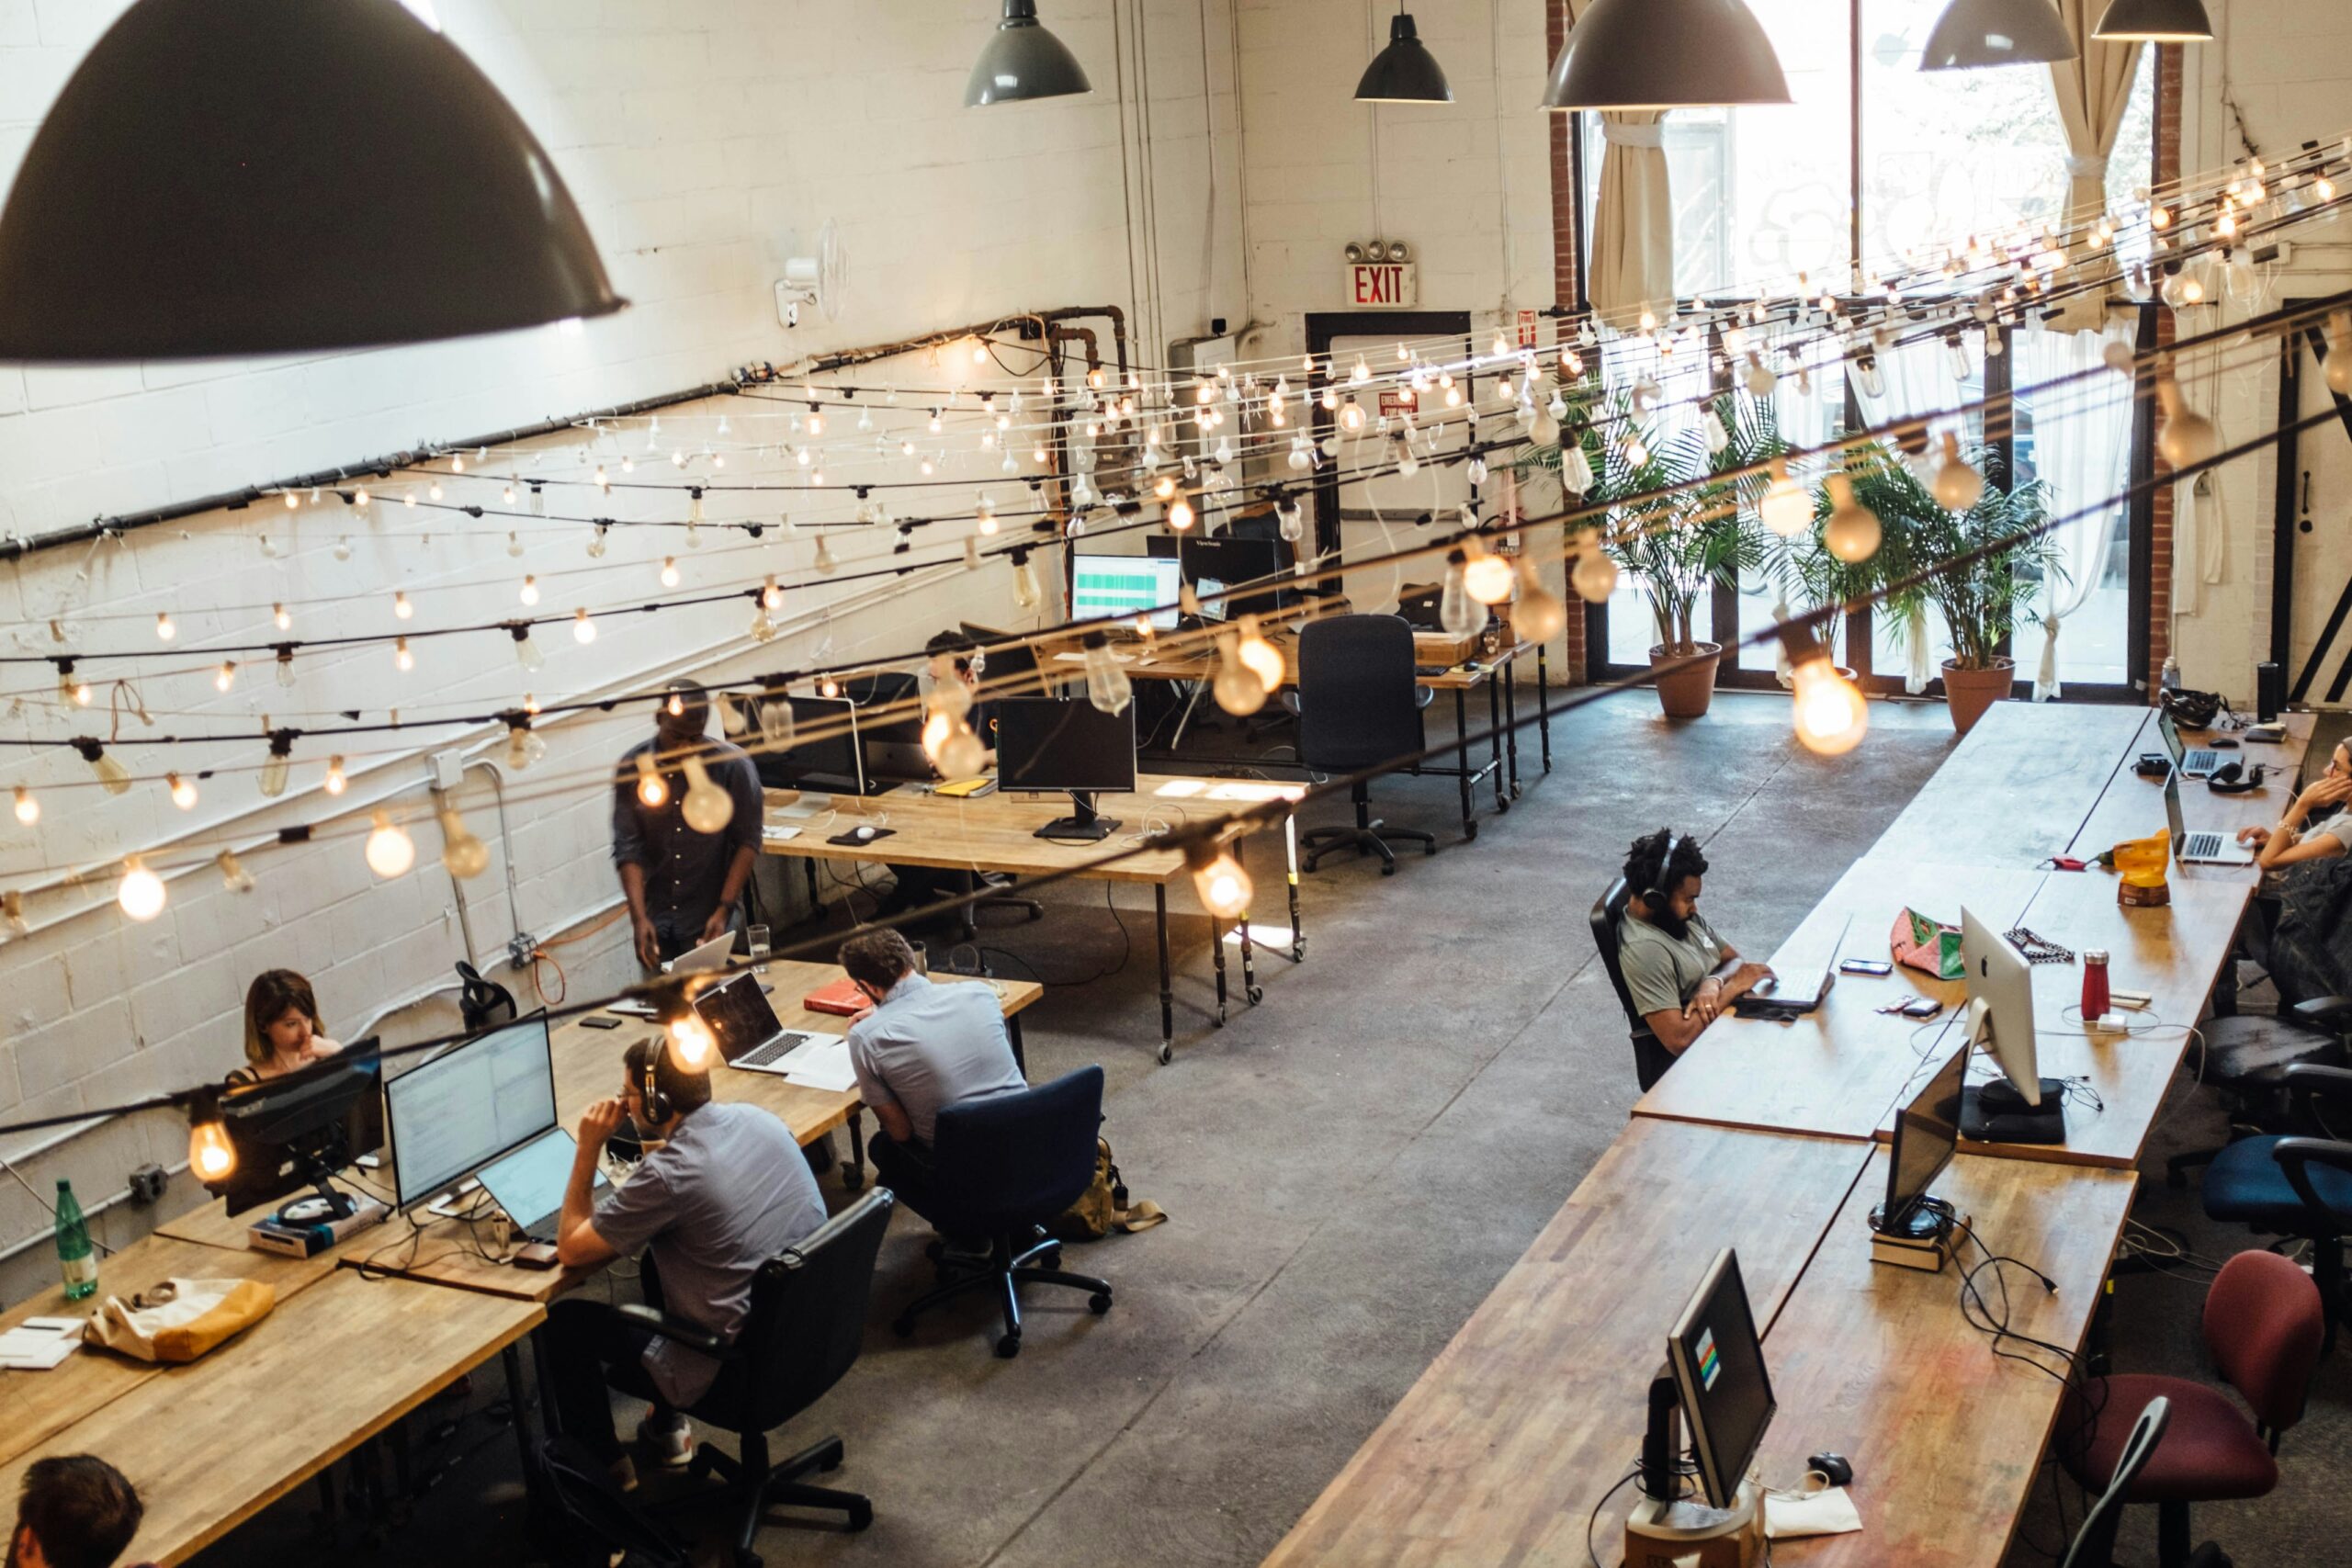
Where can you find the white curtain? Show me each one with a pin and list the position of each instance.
(2092, 90)
(2082, 449)
(1633, 215)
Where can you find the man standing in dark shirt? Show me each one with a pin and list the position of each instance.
(683, 886)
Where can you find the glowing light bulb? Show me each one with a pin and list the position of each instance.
(211, 1158)
(1181, 515)
(530, 594)
(1107, 686)
(1486, 578)
(670, 578)
(336, 783)
(183, 791)
(141, 892)
(1219, 877)
(164, 630)
(464, 855)
(583, 631)
(403, 659)
(691, 1046)
(1539, 617)
(1352, 416)
(1236, 688)
(984, 512)
(390, 851)
(402, 608)
(707, 808)
(282, 616)
(1853, 532)
(1957, 486)
(226, 676)
(1830, 714)
(27, 808)
(650, 791)
(1594, 576)
(1785, 508)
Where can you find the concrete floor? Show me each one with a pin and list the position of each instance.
(1350, 1167)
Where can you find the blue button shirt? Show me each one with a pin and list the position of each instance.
(927, 1047)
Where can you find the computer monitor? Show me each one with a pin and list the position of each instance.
(297, 1131)
(1717, 1361)
(1926, 1132)
(889, 745)
(1123, 587)
(2027, 1108)
(1231, 560)
(1067, 743)
(824, 751)
(469, 1105)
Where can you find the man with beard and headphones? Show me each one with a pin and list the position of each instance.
(1680, 974)
(721, 1189)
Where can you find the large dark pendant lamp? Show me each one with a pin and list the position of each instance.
(1973, 34)
(1023, 60)
(1404, 72)
(1665, 54)
(2156, 21)
(280, 177)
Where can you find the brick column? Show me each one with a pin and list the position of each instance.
(1563, 279)
(2160, 562)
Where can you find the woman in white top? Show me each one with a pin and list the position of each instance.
(2296, 839)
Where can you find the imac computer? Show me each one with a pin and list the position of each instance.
(469, 1105)
(297, 1131)
(1714, 1380)
(1067, 743)
(1123, 587)
(2021, 1106)
(1926, 1133)
(824, 754)
(889, 745)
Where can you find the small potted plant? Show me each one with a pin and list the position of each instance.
(1980, 599)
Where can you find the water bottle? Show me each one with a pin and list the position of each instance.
(77, 1260)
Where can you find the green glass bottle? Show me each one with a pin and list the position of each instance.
(76, 1258)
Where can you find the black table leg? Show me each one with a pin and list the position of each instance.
(853, 1169)
(1012, 1034)
(1461, 752)
(1543, 703)
(1495, 738)
(1290, 876)
(815, 900)
(1216, 948)
(1167, 992)
(1248, 965)
(1510, 722)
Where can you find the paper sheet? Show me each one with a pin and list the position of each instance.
(821, 1065)
(1788, 1514)
(25, 1348)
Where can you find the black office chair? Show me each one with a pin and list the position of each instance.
(1651, 1058)
(2245, 1057)
(1006, 1165)
(806, 1324)
(1359, 706)
(482, 1003)
(2095, 1542)
(2297, 1186)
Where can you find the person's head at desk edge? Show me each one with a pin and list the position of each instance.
(1680, 973)
(75, 1511)
(283, 1031)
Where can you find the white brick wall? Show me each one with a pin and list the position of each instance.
(706, 141)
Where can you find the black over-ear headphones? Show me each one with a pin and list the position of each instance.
(1656, 898)
(657, 1104)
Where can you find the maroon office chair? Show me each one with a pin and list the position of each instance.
(2262, 1325)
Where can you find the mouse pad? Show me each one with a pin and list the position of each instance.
(851, 840)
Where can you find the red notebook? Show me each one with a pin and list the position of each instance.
(842, 997)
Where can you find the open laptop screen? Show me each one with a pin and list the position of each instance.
(738, 1015)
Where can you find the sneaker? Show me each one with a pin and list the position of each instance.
(668, 1441)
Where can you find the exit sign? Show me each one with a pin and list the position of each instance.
(1382, 285)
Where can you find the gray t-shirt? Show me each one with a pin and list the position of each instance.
(1661, 972)
(729, 1191)
(927, 1047)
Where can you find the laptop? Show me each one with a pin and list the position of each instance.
(1799, 991)
(2200, 848)
(749, 1036)
(712, 955)
(2198, 764)
(528, 1184)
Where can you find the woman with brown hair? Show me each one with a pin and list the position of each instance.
(283, 1031)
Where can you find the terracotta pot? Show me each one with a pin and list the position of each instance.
(1686, 693)
(1971, 692)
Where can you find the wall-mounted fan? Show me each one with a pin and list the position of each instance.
(813, 281)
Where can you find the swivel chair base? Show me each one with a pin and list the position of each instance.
(760, 1487)
(1006, 1271)
(1370, 836)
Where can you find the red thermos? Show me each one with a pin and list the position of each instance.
(2095, 997)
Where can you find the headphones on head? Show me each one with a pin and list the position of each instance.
(1656, 898)
(657, 1104)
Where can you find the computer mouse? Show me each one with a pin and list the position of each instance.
(2223, 743)
(1833, 1466)
(863, 833)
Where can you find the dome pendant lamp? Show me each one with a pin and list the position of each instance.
(1023, 60)
(1973, 34)
(1665, 54)
(1404, 72)
(2156, 21)
(280, 176)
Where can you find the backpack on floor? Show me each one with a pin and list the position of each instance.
(1104, 1207)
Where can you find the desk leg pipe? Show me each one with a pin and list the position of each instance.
(1461, 754)
(1510, 722)
(1495, 740)
(1020, 1052)
(1290, 874)
(1166, 990)
(1216, 950)
(1543, 703)
(1249, 990)
(854, 1173)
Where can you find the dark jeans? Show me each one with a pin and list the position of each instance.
(676, 936)
(590, 1352)
(907, 1170)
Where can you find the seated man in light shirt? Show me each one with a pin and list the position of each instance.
(918, 1050)
(1680, 974)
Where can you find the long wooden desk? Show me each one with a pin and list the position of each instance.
(211, 1444)
(998, 832)
(35, 1406)
(1880, 1365)
(1499, 1452)
(2044, 765)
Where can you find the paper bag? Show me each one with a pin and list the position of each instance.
(175, 1321)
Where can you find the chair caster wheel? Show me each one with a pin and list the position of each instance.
(1468, 831)
(1388, 868)
(746, 1558)
(831, 1460)
(861, 1515)
(903, 1326)
(1036, 914)
(1167, 1054)
(1257, 994)
(1007, 1347)
(1100, 1303)
(853, 1178)
(1502, 805)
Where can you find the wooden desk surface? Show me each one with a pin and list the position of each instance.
(1498, 1453)
(1837, 1071)
(1878, 1364)
(211, 1444)
(1195, 660)
(2018, 788)
(2133, 807)
(998, 831)
(35, 1406)
(587, 1068)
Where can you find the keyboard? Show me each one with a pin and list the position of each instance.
(782, 1046)
(2201, 846)
(2203, 761)
(1431, 669)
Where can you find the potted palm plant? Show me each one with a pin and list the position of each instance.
(1989, 565)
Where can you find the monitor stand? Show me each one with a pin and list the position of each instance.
(1995, 1112)
(1082, 826)
(324, 1204)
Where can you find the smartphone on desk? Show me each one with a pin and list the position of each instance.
(1879, 968)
